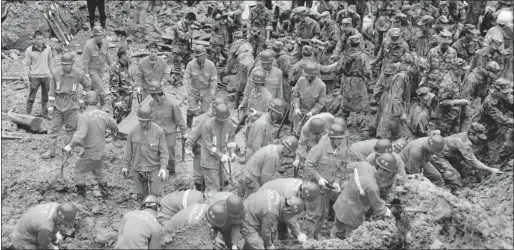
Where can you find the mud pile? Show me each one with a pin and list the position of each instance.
(194, 236)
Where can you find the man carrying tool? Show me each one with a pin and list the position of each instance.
(260, 133)
(217, 148)
(361, 194)
(63, 98)
(150, 69)
(182, 41)
(226, 218)
(166, 113)
(174, 202)
(261, 167)
(140, 228)
(416, 156)
(94, 57)
(201, 81)
(263, 211)
(146, 154)
(309, 95)
(92, 127)
(194, 141)
(326, 164)
(38, 228)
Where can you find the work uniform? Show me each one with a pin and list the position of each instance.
(147, 73)
(448, 115)
(92, 126)
(416, 155)
(214, 197)
(362, 149)
(485, 55)
(193, 142)
(168, 116)
(361, 194)
(64, 90)
(39, 62)
(36, 228)
(263, 211)
(187, 216)
(296, 70)
(307, 139)
(330, 33)
(94, 58)
(466, 49)
(240, 56)
(258, 101)
(324, 161)
(176, 201)
(182, 33)
(231, 230)
(121, 85)
(273, 82)
(391, 52)
(260, 21)
(306, 29)
(356, 68)
(343, 42)
(217, 139)
(400, 172)
(219, 37)
(308, 97)
(146, 153)
(438, 64)
(258, 134)
(139, 230)
(201, 82)
(260, 169)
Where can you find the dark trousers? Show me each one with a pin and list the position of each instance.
(91, 7)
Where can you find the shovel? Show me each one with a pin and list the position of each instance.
(64, 161)
(439, 209)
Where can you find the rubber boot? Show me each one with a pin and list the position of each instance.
(104, 189)
(309, 225)
(50, 153)
(189, 120)
(237, 99)
(81, 191)
(44, 109)
(30, 103)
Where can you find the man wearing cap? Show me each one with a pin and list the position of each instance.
(459, 148)
(201, 80)
(346, 32)
(38, 228)
(468, 44)
(421, 113)
(451, 103)
(173, 202)
(392, 49)
(416, 156)
(306, 27)
(400, 21)
(496, 115)
(240, 56)
(183, 33)
(440, 60)
(151, 68)
(273, 76)
(146, 155)
(259, 28)
(63, 99)
(94, 57)
(167, 114)
(494, 52)
(350, 12)
(257, 102)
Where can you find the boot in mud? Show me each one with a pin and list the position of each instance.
(29, 106)
(104, 190)
(50, 153)
(81, 191)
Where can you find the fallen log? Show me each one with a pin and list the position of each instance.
(28, 122)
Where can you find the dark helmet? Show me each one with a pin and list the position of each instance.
(155, 87)
(278, 106)
(235, 206)
(221, 112)
(91, 97)
(152, 202)
(387, 162)
(66, 213)
(316, 126)
(144, 113)
(336, 131)
(383, 146)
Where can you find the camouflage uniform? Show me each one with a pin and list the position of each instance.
(219, 37)
(466, 50)
(330, 33)
(391, 52)
(121, 85)
(284, 64)
(420, 43)
(260, 21)
(448, 113)
(181, 47)
(485, 55)
(439, 64)
(307, 29)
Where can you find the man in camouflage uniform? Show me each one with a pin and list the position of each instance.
(121, 84)
(346, 31)
(219, 36)
(240, 56)
(296, 70)
(421, 38)
(440, 60)
(260, 27)
(468, 44)
(392, 49)
(330, 32)
(306, 28)
(182, 33)
(493, 52)
(421, 113)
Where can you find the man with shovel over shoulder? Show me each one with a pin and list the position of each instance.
(92, 127)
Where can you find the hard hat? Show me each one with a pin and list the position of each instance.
(266, 56)
(66, 213)
(217, 215)
(221, 112)
(383, 146)
(310, 191)
(436, 143)
(387, 162)
(259, 77)
(291, 143)
(504, 18)
(336, 131)
(200, 50)
(144, 113)
(155, 87)
(235, 206)
(399, 144)
(295, 204)
(67, 58)
(311, 69)
(218, 100)
(152, 202)
(91, 97)
(316, 126)
(341, 121)
(278, 106)
(98, 30)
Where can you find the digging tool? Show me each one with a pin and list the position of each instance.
(282, 122)
(229, 173)
(241, 122)
(439, 209)
(64, 161)
(300, 125)
(183, 149)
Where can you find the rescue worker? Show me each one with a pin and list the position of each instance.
(452, 111)
(326, 164)
(259, 28)
(420, 42)
(217, 148)
(309, 95)
(459, 148)
(226, 218)
(494, 52)
(194, 140)
(240, 56)
(263, 211)
(38, 228)
(330, 32)
(183, 33)
(167, 114)
(361, 194)
(151, 68)
(392, 49)
(296, 70)
(288, 187)
(260, 133)
(146, 155)
(91, 129)
(346, 32)
(440, 60)
(468, 43)
(476, 83)
(140, 228)
(173, 202)
(94, 57)
(351, 13)
(121, 85)
(310, 134)
(219, 35)
(185, 217)
(361, 149)
(421, 113)
(416, 156)
(63, 98)
(201, 80)
(273, 76)
(261, 167)
(257, 102)
(306, 27)
(496, 115)
(390, 92)
(501, 28)
(283, 60)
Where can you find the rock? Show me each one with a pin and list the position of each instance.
(437, 244)
(104, 236)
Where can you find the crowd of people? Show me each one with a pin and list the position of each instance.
(427, 85)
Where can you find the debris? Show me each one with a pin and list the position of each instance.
(11, 136)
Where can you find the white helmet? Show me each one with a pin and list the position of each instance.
(504, 17)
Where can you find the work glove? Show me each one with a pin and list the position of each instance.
(233, 157)
(234, 247)
(322, 182)
(184, 135)
(225, 158)
(58, 237)
(138, 90)
(219, 243)
(124, 172)
(297, 111)
(302, 238)
(189, 153)
(403, 117)
(271, 247)
(336, 186)
(496, 171)
(388, 213)
(309, 114)
(67, 148)
(162, 174)
(296, 162)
